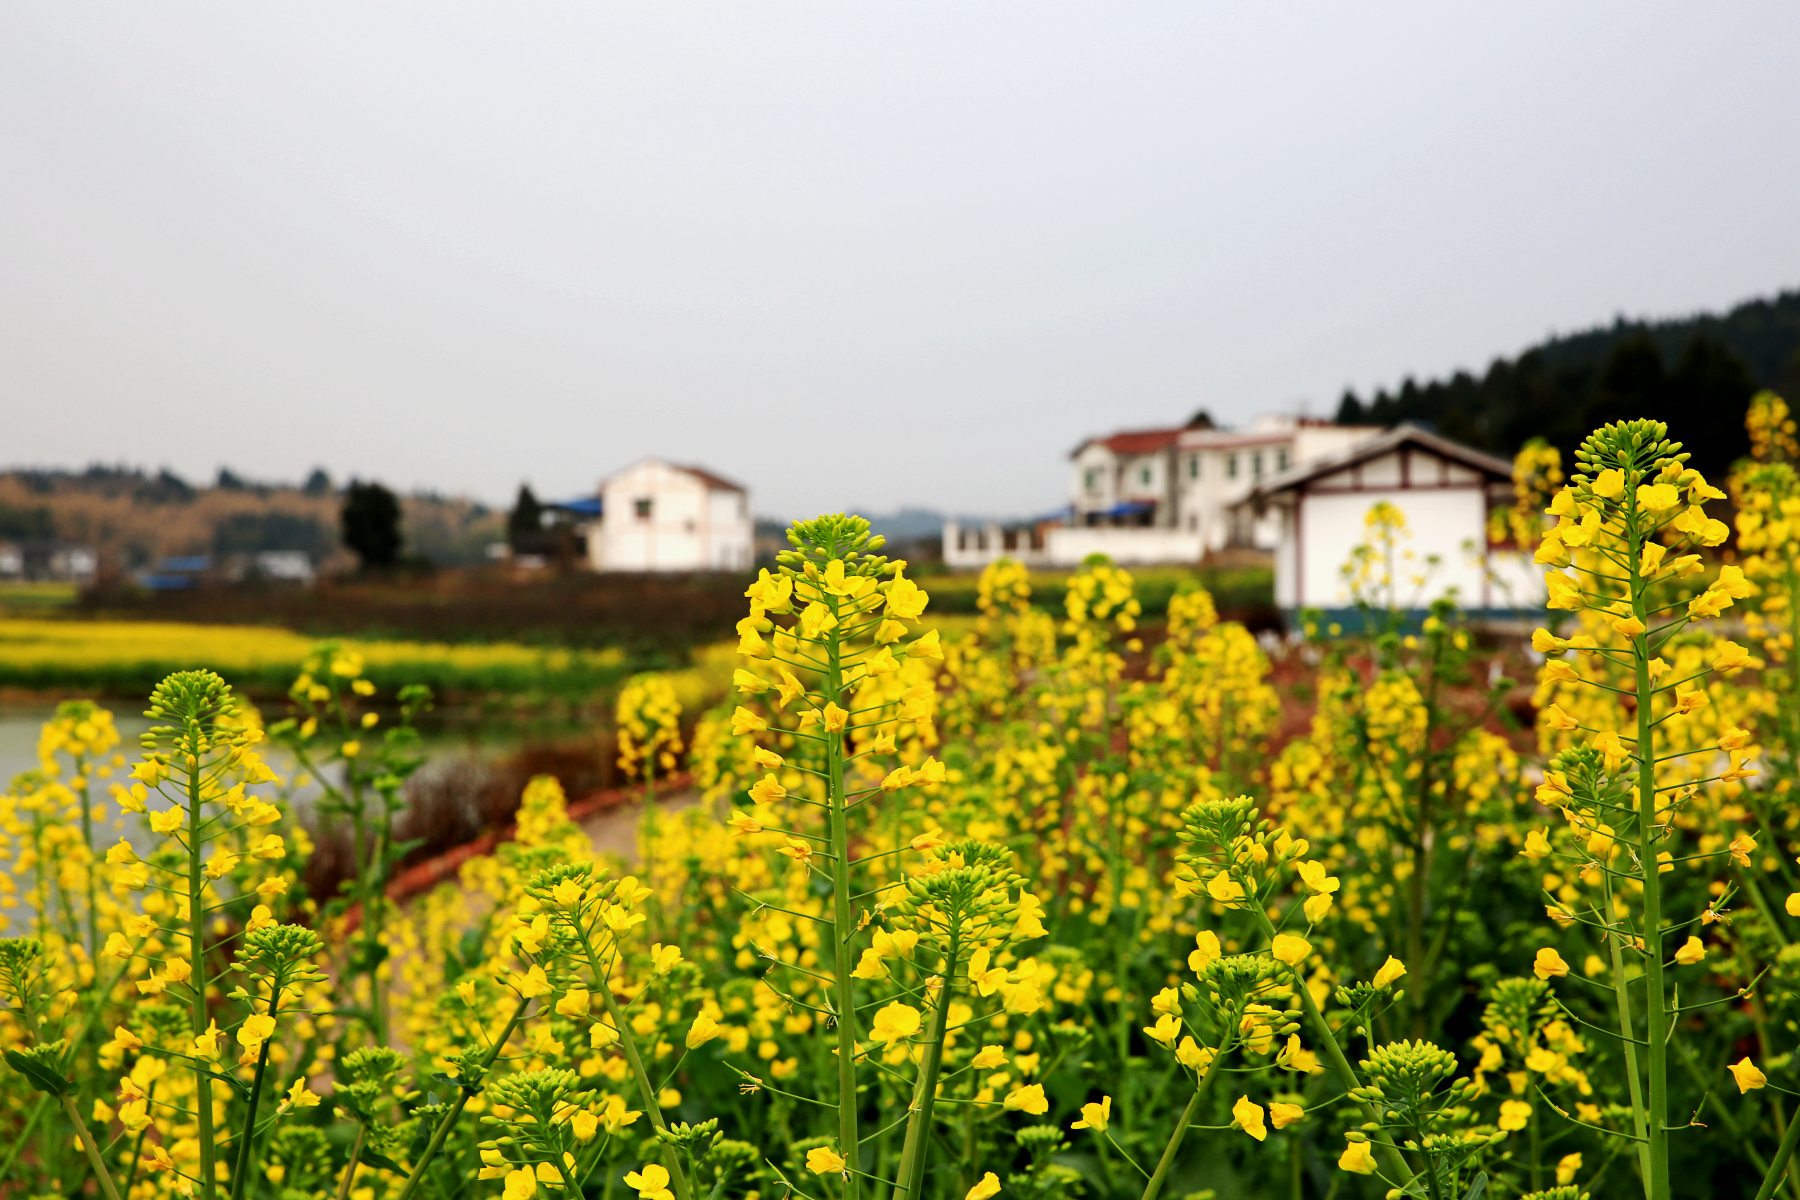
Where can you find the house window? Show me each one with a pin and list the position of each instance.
(1092, 482)
(1281, 459)
(1194, 466)
(642, 506)
(1231, 466)
(1256, 465)
(1144, 476)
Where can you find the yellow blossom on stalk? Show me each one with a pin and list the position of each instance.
(1247, 1115)
(822, 1160)
(1357, 1158)
(1028, 1098)
(1746, 1075)
(1095, 1116)
(896, 1022)
(987, 1187)
(1291, 948)
(701, 1030)
(651, 1181)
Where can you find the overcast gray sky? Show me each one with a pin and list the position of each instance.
(851, 253)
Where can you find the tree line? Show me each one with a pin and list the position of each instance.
(1672, 370)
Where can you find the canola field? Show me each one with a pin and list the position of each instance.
(124, 656)
(1045, 908)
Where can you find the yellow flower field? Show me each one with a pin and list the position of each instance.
(114, 655)
(1056, 905)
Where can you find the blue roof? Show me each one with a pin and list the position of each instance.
(586, 506)
(185, 562)
(1131, 508)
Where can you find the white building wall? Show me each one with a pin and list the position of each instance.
(688, 526)
(730, 536)
(969, 547)
(1447, 522)
(1287, 558)
(1095, 484)
(1517, 581)
(1067, 546)
(1142, 477)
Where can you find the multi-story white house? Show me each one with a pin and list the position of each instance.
(1164, 495)
(662, 516)
(1188, 478)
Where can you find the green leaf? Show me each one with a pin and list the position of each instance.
(382, 1161)
(41, 1076)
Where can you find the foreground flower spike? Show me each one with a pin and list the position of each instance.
(190, 751)
(1631, 526)
(827, 638)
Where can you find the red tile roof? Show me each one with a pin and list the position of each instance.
(717, 483)
(1133, 441)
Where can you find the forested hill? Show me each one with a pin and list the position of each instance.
(132, 516)
(1697, 373)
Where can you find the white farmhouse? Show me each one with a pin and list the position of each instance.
(662, 516)
(1444, 491)
(1162, 495)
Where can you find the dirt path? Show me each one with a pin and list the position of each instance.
(614, 830)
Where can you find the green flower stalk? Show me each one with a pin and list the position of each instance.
(1625, 523)
(849, 607)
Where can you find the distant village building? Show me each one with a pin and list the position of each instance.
(662, 516)
(277, 566)
(176, 573)
(186, 572)
(44, 560)
(1164, 495)
(1445, 492)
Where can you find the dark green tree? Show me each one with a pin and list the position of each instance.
(371, 525)
(525, 523)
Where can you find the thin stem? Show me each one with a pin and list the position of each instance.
(842, 927)
(240, 1173)
(1778, 1166)
(1166, 1163)
(916, 1145)
(639, 1072)
(87, 835)
(343, 1192)
(92, 1150)
(1657, 1183)
(203, 1108)
(1346, 1074)
(462, 1099)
